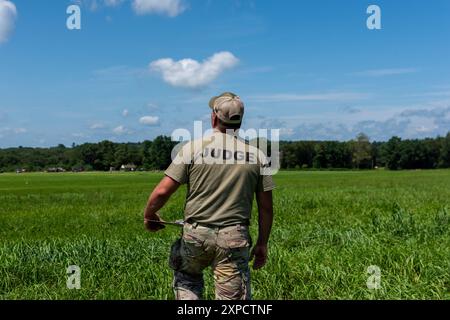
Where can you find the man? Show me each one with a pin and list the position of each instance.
(223, 174)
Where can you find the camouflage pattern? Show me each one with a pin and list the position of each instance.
(228, 107)
(225, 249)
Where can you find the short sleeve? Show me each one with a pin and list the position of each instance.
(265, 179)
(178, 172)
(179, 168)
(265, 183)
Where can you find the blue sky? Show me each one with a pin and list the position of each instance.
(310, 68)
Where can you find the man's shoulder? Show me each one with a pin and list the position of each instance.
(252, 147)
(198, 145)
(186, 151)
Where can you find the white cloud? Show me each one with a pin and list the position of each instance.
(171, 8)
(93, 5)
(287, 132)
(120, 130)
(125, 112)
(96, 126)
(8, 131)
(380, 125)
(149, 120)
(190, 73)
(79, 135)
(424, 129)
(8, 15)
(112, 3)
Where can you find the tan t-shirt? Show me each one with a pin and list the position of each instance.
(222, 173)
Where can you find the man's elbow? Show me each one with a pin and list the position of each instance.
(161, 192)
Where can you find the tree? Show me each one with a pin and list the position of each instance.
(361, 152)
(391, 152)
(145, 154)
(444, 157)
(106, 154)
(121, 156)
(320, 157)
(160, 152)
(288, 157)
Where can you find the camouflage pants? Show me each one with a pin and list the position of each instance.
(226, 250)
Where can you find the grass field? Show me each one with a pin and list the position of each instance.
(329, 228)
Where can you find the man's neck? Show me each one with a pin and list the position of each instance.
(232, 132)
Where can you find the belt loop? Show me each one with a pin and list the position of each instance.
(194, 225)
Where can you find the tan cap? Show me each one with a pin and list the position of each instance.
(228, 107)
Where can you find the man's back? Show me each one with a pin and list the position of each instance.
(222, 174)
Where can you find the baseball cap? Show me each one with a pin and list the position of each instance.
(228, 107)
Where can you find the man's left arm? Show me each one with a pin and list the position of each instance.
(157, 200)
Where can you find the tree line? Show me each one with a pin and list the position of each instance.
(358, 153)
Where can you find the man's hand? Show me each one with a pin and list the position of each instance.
(157, 199)
(151, 225)
(259, 253)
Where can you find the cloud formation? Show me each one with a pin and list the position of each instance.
(437, 113)
(411, 123)
(96, 126)
(10, 131)
(120, 130)
(190, 73)
(350, 110)
(112, 3)
(171, 8)
(149, 120)
(8, 15)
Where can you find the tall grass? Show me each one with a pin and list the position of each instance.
(329, 228)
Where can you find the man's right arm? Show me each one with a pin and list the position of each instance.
(265, 220)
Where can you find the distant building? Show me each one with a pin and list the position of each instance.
(128, 167)
(58, 169)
